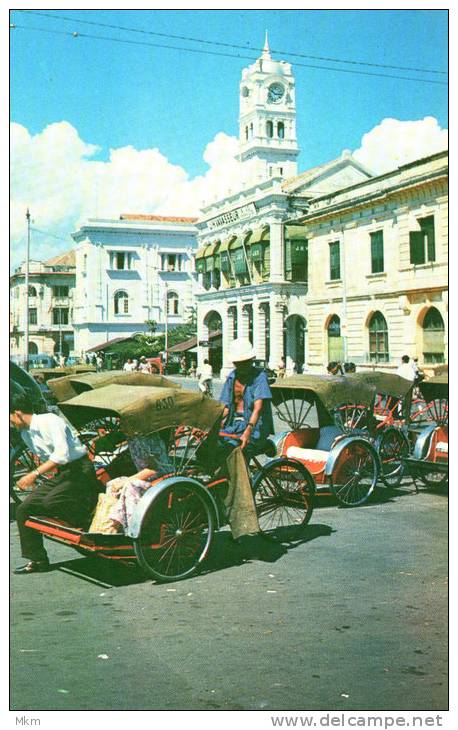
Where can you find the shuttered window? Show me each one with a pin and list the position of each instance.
(334, 260)
(423, 242)
(377, 262)
(378, 338)
(433, 336)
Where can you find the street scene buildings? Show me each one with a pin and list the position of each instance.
(332, 263)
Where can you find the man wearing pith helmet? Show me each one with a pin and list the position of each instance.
(247, 399)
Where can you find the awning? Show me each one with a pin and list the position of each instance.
(236, 243)
(201, 265)
(294, 233)
(211, 248)
(256, 251)
(239, 261)
(201, 252)
(225, 244)
(260, 234)
(299, 251)
(225, 263)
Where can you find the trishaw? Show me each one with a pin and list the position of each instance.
(429, 458)
(63, 387)
(387, 430)
(173, 523)
(329, 420)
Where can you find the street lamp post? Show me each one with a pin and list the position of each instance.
(166, 311)
(26, 328)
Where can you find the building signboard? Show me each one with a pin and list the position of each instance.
(232, 216)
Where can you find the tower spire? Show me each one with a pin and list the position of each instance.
(266, 49)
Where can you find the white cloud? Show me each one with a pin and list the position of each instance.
(393, 143)
(53, 174)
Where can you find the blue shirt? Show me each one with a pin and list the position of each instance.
(256, 388)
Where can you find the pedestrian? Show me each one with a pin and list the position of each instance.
(62, 359)
(193, 369)
(99, 362)
(129, 366)
(69, 496)
(281, 370)
(183, 366)
(205, 375)
(405, 369)
(349, 367)
(144, 366)
(334, 368)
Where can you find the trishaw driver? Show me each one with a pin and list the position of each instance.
(247, 399)
(70, 496)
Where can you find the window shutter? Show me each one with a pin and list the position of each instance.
(225, 264)
(417, 247)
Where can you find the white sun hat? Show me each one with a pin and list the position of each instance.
(241, 349)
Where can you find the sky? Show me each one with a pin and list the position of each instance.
(102, 127)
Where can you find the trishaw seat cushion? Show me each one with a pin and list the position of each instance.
(315, 459)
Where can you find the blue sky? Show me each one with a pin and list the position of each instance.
(118, 94)
(101, 127)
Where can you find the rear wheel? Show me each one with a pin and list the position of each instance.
(283, 493)
(176, 533)
(354, 474)
(434, 480)
(392, 450)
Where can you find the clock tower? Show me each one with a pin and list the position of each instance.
(267, 136)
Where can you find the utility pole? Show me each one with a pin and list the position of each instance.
(166, 304)
(26, 328)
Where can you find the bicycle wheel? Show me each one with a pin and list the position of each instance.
(434, 480)
(283, 494)
(23, 461)
(176, 533)
(354, 474)
(392, 449)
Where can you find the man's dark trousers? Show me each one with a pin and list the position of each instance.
(70, 496)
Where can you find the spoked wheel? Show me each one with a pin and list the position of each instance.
(392, 449)
(434, 480)
(23, 461)
(176, 533)
(354, 474)
(283, 493)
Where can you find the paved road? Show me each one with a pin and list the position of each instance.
(350, 616)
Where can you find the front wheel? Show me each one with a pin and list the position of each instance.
(176, 533)
(23, 461)
(354, 474)
(392, 449)
(283, 494)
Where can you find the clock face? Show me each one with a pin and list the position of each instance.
(275, 92)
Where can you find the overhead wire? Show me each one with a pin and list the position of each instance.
(77, 34)
(228, 45)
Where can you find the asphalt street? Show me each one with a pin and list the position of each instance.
(351, 614)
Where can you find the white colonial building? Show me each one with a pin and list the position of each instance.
(333, 263)
(128, 271)
(51, 295)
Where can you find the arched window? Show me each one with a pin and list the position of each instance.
(433, 336)
(280, 130)
(121, 302)
(246, 133)
(33, 348)
(378, 338)
(32, 291)
(269, 129)
(172, 302)
(335, 340)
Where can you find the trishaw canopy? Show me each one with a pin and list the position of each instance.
(384, 383)
(142, 410)
(52, 373)
(72, 385)
(436, 387)
(330, 390)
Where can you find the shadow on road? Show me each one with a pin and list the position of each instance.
(225, 553)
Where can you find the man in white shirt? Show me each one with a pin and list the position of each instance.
(129, 366)
(205, 374)
(406, 370)
(70, 496)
